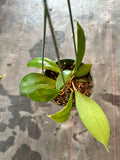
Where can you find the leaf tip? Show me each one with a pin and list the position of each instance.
(74, 20)
(28, 64)
(106, 146)
(49, 116)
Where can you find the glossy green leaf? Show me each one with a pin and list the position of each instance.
(38, 87)
(67, 76)
(83, 70)
(48, 64)
(80, 46)
(43, 94)
(64, 114)
(34, 79)
(25, 90)
(93, 118)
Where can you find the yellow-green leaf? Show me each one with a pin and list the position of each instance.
(67, 76)
(48, 64)
(80, 80)
(83, 70)
(64, 114)
(93, 118)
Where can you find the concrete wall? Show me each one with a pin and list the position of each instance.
(25, 131)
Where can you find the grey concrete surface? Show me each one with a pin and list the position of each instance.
(25, 131)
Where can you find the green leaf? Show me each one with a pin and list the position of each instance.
(34, 79)
(80, 46)
(83, 70)
(64, 114)
(48, 64)
(80, 80)
(38, 87)
(93, 118)
(67, 76)
(25, 90)
(43, 94)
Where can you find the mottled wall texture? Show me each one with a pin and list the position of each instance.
(26, 133)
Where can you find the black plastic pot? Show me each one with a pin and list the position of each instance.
(69, 63)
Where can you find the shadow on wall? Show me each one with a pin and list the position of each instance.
(24, 121)
(3, 2)
(36, 51)
(18, 106)
(109, 98)
(22, 116)
(23, 153)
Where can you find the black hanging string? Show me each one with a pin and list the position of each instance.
(44, 36)
(71, 20)
(55, 44)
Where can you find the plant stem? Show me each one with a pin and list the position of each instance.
(71, 20)
(55, 44)
(44, 35)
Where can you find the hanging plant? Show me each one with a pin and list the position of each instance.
(77, 90)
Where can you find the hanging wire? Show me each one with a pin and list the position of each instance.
(44, 36)
(55, 44)
(71, 20)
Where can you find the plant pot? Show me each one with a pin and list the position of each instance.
(85, 87)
